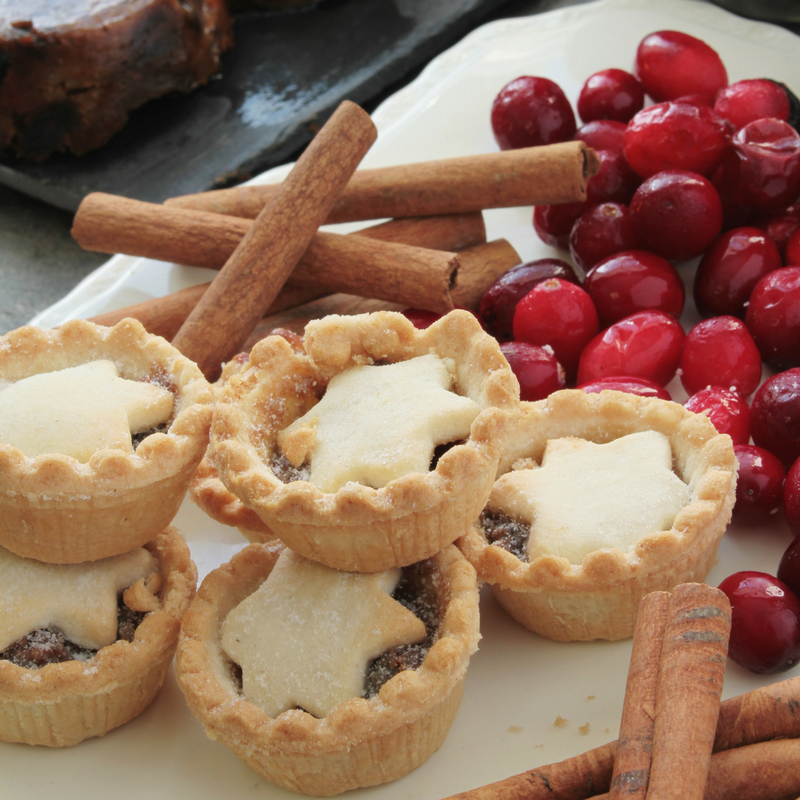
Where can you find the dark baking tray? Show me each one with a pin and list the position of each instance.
(283, 77)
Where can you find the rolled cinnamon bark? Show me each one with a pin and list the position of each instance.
(556, 173)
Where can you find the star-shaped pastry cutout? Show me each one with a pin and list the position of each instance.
(305, 637)
(80, 600)
(79, 410)
(586, 496)
(378, 423)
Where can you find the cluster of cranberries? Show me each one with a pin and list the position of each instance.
(712, 170)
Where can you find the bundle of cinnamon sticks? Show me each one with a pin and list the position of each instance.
(677, 740)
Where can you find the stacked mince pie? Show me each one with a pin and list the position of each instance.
(101, 430)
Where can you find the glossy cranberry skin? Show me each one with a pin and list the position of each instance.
(559, 314)
(726, 408)
(615, 181)
(420, 317)
(775, 417)
(537, 370)
(675, 135)
(499, 301)
(676, 214)
(793, 250)
(773, 317)
(553, 223)
(761, 167)
(531, 111)
(780, 228)
(720, 351)
(765, 622)
(603, 134)
(646, 344)
(601, 231)
(627, 383)
(671, 63)
(730, 269)
(745, 101)
(789, 567)
(632, 281)
(759, 484)
(610, 94)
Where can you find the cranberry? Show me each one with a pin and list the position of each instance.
(722, 352)
(560, 314)
(726, 408)
(675, 135)
(602, 134)
(627, 383)
(773, 317)
(699, 100)
(615, 181)
(633, 280)
(780, 228)
(420, 317)
(745, 101)
(610, 94)
(761, 168)
(671, 64)
(646, 344)
(677, 214)
(531, 111)
(765, 622)
(789, 567)
(791, 498)
(731, 268)
(496, 308)
(793, 250)
(537, 370)
(759, 484)
(602, 230)
(553, 223)
(775, 420)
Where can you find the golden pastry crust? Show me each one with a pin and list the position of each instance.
(59, 705)
(361, 742)
(599, 598)
(359, 528)
(56, 509)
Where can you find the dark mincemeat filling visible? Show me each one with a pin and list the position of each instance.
(508, 533)
(163, 380)
(49, 646)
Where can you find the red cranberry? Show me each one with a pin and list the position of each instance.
(631, 281)
(602, 230)
(759, 484)
(677, 214)
(773, 317)
(789, 567)
(602, 134)
(675, 136)
(780, 227)
(726, 408)
(560, 314)
(775, 419)
(765, 622)
(791, 498)
(531, 111)
(745, 101)
(627, 383)
(698, 100)
(615, 181)
(671, 64)
(761, 168)
(420, 317)
(610, 94)
(553, 223)
(646, 344)
(720, 351)
(537, 370)
(793, 250)
(496, 309)
(731, 268)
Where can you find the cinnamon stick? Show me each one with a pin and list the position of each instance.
(220, 323)
(635, 744)
(556, 173)
(479, 267)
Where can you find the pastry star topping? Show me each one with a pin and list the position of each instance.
(80, 600)
(588, 496)
(307, 635)
(378, 423)
(79, 410)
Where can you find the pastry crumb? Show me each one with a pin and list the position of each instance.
(560, 722)
(590, 697)
(584, 729)
(514, 729)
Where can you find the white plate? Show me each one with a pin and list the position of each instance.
(518, 683)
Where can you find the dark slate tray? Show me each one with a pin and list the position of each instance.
(284, 76)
